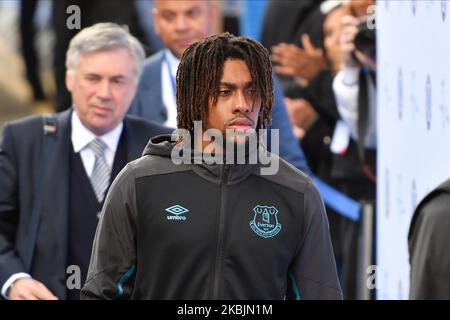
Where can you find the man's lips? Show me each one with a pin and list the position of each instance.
(101, 109)
(185, 42)
(240, 125)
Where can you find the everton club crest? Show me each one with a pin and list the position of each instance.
(265, 221)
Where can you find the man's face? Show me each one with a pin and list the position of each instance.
(332, 29)
(102, 84)
(238, 106)
(180, 23)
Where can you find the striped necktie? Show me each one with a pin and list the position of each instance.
(101, 174)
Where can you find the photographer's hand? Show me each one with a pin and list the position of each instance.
(301, 64)
(301, 114)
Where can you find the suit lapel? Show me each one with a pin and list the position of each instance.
(132, 139)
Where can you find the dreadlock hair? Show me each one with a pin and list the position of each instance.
(200, 72)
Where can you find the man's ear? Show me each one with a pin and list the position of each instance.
(69, 80)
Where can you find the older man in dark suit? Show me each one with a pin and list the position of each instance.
(55, 170)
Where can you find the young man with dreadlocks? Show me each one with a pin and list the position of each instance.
(204, 229)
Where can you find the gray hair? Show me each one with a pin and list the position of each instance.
(105, 36)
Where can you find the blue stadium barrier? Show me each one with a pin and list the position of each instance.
(341, 203)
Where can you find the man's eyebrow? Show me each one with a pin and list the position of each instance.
(165, 11)
(113, 77)
(233, 85)
(193, 9)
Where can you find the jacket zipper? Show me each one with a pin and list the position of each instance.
(219, 248)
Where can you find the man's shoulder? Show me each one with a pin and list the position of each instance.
(28, 128)
(151, 73)
(139, 124)
(434, 211)
(152, 165)
(153, 61)
(25, 135)
(287, 175)
(38, 120)
(25, 122)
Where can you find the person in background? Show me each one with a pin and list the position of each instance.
(55, 170)
(314, 112)
(237, 231)
(354, 157)
(301, 28)
(180, 23)
(429, 256)
(321, 111)
(122, 12)
(30, 56)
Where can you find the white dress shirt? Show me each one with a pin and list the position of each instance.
(346, 88)
(168, 76)
(81, 137)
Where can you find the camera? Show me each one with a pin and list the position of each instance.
(365, 39)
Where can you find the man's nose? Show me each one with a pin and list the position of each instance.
(181, 23)
(241, 103)
(104, 91)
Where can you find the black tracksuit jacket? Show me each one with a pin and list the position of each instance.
(198, 231)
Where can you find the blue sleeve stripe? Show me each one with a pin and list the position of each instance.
(295, 287)
(341, 203)
(127, 275)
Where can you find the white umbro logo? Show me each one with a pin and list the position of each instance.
(176, 212)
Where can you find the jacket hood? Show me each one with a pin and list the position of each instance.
(161, 145)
